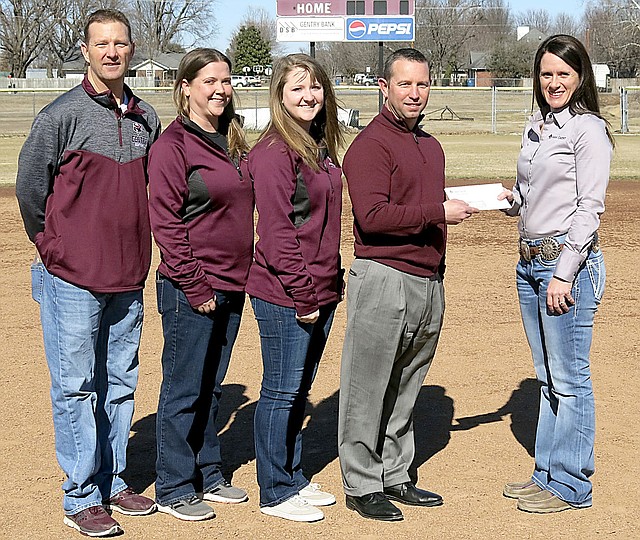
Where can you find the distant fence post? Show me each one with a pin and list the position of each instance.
(494, 109)
(624, 111)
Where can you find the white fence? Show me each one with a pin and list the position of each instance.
(451, 109)
(69, 82)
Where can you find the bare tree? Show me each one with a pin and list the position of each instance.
(567, 24)
(67, 33)
(266, 25)
(613, 35)
(25, 26)
(347, 59)
(159, 24)
(445, 30)
(495, 25)
(511, 60)
(536, 18)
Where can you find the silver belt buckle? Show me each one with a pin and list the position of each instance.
(595, 243)
(525, 252)
(549, 248)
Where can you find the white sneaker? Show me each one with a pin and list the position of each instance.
(315, 497)
(294, 509)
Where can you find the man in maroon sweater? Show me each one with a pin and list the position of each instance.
(395, 175)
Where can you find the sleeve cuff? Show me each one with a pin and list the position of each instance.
(433, 214)
(199, 294)
(305, 301)
(568, 264)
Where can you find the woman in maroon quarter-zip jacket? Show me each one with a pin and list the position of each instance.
(201, 209)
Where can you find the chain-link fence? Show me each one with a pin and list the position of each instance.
(451, 110)
(629, 109)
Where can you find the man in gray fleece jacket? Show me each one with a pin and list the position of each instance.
(81, 188)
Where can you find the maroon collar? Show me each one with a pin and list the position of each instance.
(386, 113)
(108, 100)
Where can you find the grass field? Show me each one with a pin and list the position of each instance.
(482, 157)
(460, 119)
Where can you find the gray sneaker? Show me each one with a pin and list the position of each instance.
(192, 509)
(225, 493)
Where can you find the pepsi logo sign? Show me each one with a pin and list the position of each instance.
(380, 29)
(357, 29)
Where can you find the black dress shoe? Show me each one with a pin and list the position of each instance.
(408, 493)
(374, 506)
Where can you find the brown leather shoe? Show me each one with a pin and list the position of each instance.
(93, 521)
(543, 503)
(515, 490)
(129, 503)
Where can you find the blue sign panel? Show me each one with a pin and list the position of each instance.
(379, 29)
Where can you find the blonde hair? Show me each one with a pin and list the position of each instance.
(228, 122)
(325, 131)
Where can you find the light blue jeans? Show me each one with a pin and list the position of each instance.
(560, 345)
(91, 343)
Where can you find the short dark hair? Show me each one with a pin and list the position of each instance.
(106, 16)
(413, 55)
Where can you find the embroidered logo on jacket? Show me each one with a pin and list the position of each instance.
(140, 137)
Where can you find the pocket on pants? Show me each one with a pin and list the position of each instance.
(37, 281)
(159, 290)
(597, 275)
(168, 295)
(357, 274)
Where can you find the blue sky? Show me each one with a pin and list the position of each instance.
(229, 13)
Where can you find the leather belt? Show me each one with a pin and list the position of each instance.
(548, 248)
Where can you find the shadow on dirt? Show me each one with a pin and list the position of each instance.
(432, 417)
(433, 423)
(236, 440)
(523, 407)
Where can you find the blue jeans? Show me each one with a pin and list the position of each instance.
(195, 359)
(291, 352)
(560, 345)
(91, 343)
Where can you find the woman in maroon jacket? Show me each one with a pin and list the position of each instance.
(295, 280)
(201, 209)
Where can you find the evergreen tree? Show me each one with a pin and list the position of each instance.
(249, 48)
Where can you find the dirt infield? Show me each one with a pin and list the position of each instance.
(475, 416)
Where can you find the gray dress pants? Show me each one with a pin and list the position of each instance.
(393, 324)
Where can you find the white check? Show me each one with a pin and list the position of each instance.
(480, 196)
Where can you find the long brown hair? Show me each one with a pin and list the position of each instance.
(585, 98)
(325, 131)
(228, 122)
